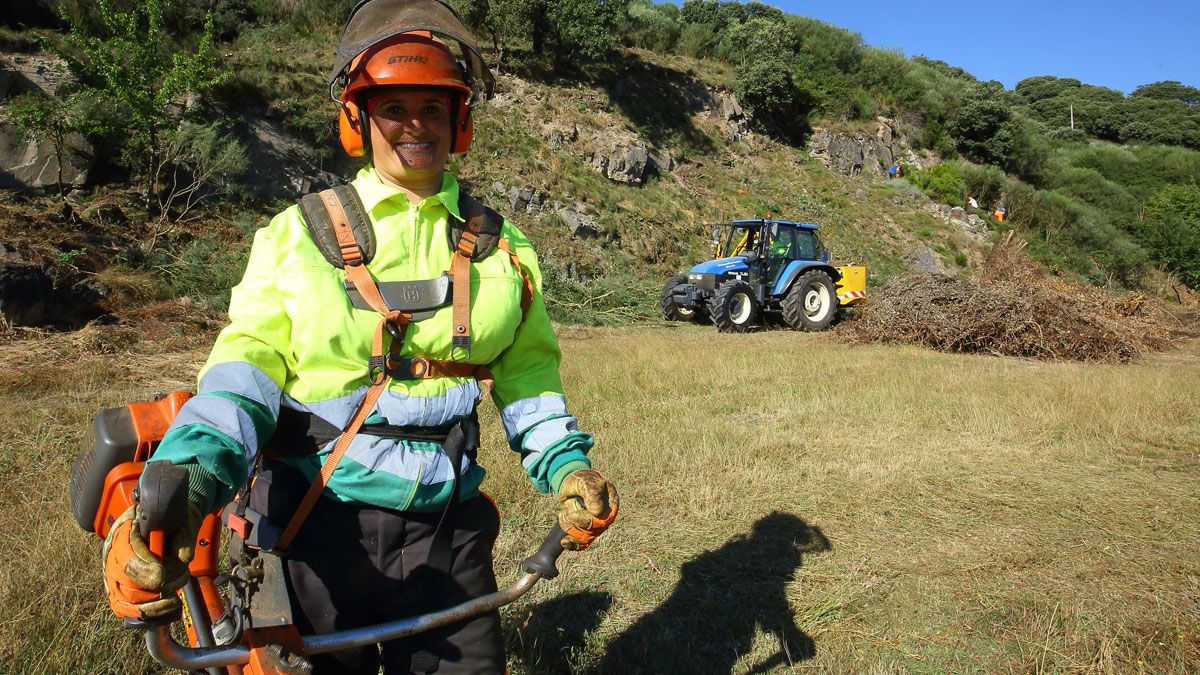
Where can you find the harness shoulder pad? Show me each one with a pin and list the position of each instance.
(320, 225)
(490, 224)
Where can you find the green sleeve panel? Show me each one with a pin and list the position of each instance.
(558, 460)
(211, 452)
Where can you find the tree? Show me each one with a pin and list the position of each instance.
(980, 129)
(1169, 90)
(44, 118)
(767, 88)
(1171, 229)
(1034, 89)
(651, 26)
(128, 63)
(574, 31)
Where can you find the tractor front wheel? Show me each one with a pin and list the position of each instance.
(734, 308)
(666, 304)
(811, 303)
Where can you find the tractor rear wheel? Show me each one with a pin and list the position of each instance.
(670, 310)
(734, 308)
(812, 302)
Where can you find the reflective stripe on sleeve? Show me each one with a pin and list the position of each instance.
(245, 380)
(221, 414)
(544, 435)
(520, 415)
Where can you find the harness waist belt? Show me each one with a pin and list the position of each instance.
(299, 434)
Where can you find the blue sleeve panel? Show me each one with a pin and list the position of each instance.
(206, 450)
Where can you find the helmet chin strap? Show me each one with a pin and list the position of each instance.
(364, 125)
(454, 121)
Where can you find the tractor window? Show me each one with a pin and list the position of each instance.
(741, 240)
(781, 242)
(808, 247)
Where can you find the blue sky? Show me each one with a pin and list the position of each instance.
(1114, 44)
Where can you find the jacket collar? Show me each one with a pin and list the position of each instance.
(373, 192)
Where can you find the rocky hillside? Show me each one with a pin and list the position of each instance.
(616, 178)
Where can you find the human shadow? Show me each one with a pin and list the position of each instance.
(723, 597)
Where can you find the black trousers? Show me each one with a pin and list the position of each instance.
(351, 566)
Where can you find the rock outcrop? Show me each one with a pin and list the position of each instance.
(33, 164)
(854, 153)
(972, 225)
(281, 166)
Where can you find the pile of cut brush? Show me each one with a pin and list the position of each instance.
(1011, 308)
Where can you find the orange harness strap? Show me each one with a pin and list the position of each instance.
(343, 442)
(526, 282)
(460, 271)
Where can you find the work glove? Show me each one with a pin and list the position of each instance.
(140, 586)
(587, 505)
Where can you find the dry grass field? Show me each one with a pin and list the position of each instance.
(789, 504)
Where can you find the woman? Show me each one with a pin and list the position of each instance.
(349, 374)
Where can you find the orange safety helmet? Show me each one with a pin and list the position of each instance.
(393, 43)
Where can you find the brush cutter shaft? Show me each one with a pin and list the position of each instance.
(170, 653)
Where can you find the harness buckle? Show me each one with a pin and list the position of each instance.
(405, 367)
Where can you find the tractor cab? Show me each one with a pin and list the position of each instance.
(768, 245)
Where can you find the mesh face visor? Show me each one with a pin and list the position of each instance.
(373, 21)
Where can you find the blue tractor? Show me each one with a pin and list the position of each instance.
(770, 267)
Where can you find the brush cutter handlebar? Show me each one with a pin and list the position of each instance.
(540, 565)
(162, 503)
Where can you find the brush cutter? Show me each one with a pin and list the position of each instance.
(247, 628)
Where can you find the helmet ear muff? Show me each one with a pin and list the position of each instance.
(350, 129)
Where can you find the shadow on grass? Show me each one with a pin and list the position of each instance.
(546, 637)
(723, 597)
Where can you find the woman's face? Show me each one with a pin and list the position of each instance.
(410, 135)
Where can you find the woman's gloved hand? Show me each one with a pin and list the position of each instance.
(587, 505)
(140, 586)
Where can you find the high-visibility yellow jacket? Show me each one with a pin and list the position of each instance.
(295, 341)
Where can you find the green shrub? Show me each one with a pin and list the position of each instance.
(695, 40)
(608, 300)
(985, 183)
(203, 269)
(1069, 135)
(942, 182)
(1171, 229)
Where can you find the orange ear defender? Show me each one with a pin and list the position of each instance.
(408, 59)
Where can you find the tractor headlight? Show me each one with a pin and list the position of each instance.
(703, 281)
